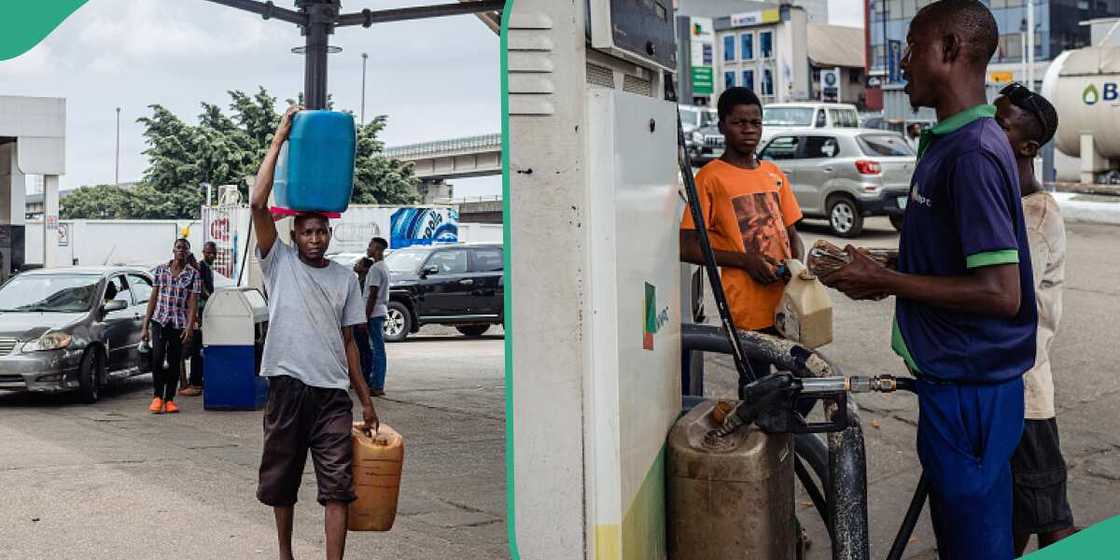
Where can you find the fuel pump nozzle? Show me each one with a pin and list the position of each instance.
(776, 402)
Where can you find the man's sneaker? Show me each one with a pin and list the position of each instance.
(157, 406)
(170, 407)
(377, 393)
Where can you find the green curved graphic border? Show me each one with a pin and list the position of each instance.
(1088, 544)
(25, 24)
(511, 502)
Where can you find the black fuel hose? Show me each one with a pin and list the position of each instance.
(906, 384)
(813, 491)
(911, 519)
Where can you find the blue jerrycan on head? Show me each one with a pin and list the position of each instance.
(315, 170)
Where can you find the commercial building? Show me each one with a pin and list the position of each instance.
(776, 50)
(1057, 27)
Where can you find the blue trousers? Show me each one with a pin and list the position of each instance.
(966, 436)
(361, 340)
(376, 378)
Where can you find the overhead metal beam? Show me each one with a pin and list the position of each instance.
(267, 10)
(367, 18)
(492, 20)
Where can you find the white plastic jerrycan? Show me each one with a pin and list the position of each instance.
(805, 312)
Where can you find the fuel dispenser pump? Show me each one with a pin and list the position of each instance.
(594, 297)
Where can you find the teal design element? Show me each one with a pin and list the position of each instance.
(25, 24)
(1099, 541)
(511, 482)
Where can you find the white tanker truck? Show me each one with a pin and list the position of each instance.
(1084, 86)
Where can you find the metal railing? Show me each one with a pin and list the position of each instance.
(449, 147)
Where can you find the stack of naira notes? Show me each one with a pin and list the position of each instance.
(826, 258)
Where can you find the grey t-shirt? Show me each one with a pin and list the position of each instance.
(307, 308)
(378, 276)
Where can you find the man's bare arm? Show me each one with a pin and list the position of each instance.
(152, 299)
(989, 290)
(760, 267)
(263, 225)
(796, 244)
(357, 380)
(371, 301)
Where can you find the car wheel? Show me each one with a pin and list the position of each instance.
(89, 377)
(896, 221)
(398, 322)
(473, 330)
(844, 217)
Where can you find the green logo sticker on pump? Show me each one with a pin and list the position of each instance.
(654, 319)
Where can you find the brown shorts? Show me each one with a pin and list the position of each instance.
(299, 418)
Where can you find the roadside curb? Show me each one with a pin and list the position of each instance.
(1089, 209)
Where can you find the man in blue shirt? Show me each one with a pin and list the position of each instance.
(965, 317)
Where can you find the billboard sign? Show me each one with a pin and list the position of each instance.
(894, 61)
(702, 38)
(744, 19)
(830, 84)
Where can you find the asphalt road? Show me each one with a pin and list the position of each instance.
(110, 482)
(1087, 389)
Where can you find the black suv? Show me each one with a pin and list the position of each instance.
(459, 286)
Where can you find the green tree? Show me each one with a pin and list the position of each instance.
(226, 149)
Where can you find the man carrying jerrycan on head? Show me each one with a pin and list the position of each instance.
(311, 360)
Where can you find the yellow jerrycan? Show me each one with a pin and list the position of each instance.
(378, 458)
(804, 314)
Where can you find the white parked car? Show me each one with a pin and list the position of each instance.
(777, 118)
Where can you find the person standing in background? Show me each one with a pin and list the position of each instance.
(361, 332)
(172, 310)
(1041, 506)
(913, 135)
(206, 273)
(377, 306)
(750, 212)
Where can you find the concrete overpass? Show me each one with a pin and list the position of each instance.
(472, 156)
(438, 161)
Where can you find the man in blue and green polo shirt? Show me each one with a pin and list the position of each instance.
(965, 317)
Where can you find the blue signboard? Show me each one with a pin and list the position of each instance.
(894, 60)
(423, 226)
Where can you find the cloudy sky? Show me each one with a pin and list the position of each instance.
(435, 79)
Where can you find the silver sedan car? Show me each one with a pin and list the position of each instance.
(845, 174)
(72, 329)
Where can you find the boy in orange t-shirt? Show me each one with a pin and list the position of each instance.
(750, 212)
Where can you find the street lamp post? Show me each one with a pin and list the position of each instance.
(886, 44)
(363, 113)
(117, 159)
(318, 18)
(1030, 45)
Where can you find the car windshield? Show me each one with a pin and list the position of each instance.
(49, 293)
(690, 117)
(708, 117)
(787, 116)
(405, 260)
(889, 145)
